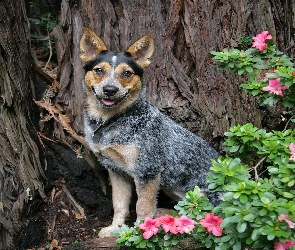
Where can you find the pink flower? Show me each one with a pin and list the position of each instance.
(283, 217)
(292, 149)
(212, 224)
(168, 224)
(176, 225)
(275, 87)
(150, 227)
(185, 224)
(284, 245)
(260, 40)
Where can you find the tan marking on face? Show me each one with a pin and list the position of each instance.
(92, 78)
(132, 82)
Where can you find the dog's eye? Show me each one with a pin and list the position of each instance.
(98, 71)
(126, 73)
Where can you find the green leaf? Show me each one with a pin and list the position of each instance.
(230, 210)
(120, 240)
(241, 71)
(135, 238)
(137, 241)
(175, 242)
(222, 66)
(237, 246)
(273, 170)
(291, 183)
(255, 234)
(285, 179)
(226, 238)
(249, 217)
(241, 227)
(143, 244)
(167, 243)
(230, 220)
(263, 212)
(231, 65)
(271, 236)
(255, 92)
(288, 195)
(243, 198)
(234, 148)
(265, 200)
(249, 69)
(167, 236)
(270, 101)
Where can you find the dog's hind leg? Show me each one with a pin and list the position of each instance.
(121, 196)
(147, 198)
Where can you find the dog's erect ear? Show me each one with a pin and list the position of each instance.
(142, 50)
(90, 45)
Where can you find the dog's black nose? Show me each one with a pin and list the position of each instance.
(110, 90)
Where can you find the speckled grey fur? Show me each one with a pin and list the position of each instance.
(183, 158)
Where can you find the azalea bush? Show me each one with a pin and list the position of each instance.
(256, 176)
(167, 231)
(271, 74)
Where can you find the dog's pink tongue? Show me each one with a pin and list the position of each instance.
(108, 102)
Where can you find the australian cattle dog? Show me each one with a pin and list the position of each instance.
(129, 135)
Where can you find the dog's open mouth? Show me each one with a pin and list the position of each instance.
(108, 102)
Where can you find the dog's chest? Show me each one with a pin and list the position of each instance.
(118, 143)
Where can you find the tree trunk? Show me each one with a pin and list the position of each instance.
(182, 79)
(20, 164)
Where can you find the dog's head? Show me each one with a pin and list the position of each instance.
(113, 80)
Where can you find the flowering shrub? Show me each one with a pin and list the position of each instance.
(257, 175)
(212, 224)
(167, 231)
(271, 74)
(159, 233)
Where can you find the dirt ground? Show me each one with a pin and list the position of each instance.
(62, 223)
(58, 224)
(76, 207)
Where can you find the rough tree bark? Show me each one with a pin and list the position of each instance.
(20, 165)
(182, 79)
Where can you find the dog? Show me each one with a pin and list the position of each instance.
(131, 138)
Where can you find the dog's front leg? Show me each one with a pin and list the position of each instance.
(121, 196)
(147, 198)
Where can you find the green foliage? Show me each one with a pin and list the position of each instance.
(250, 143)
(46, 21)
(193, 205)
(42, 23)
(132, 238)
(250, 209)
(257, 175)
(244, 42)
(260, 66)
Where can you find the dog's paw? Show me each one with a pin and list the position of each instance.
(106, 231)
